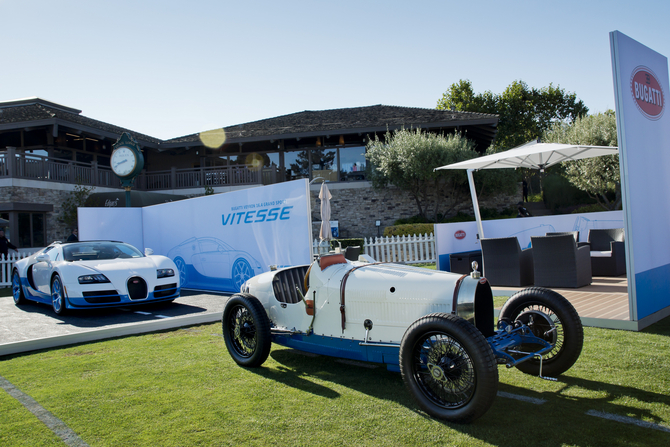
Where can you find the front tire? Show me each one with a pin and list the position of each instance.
(449, 368)
(246, 330)
(57, 296)
(567, 339)
(17, 290)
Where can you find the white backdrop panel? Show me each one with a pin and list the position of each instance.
(118, 224)
(450, 238)
(219, 241)
(643, 124)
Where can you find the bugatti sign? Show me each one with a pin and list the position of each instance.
(648, 93)
(460, 234)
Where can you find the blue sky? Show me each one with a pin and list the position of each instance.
(170, 68)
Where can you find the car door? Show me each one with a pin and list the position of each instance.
(42, 272)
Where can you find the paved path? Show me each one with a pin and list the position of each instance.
(21, 326)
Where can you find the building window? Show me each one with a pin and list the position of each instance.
(297, 164)
(353, 165)
(324, 164)
(32, 230)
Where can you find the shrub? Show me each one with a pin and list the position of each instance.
(409, 229)
(560, 193)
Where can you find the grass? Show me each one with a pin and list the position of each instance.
(181, 388)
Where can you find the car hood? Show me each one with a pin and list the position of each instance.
(114, 265)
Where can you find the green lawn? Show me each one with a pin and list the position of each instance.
(181, 388)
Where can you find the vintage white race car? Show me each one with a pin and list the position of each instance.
(436, 328)
(76, 275)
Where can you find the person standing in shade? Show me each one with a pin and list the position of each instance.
(5, 245)
(525, 190)
(74, 236)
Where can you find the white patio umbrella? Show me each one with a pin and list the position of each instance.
(325, 196)
(533, 155)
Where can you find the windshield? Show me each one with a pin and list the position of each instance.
(90, 251)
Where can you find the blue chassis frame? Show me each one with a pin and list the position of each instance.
(506, 338)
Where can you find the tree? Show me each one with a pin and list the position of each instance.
(599, 177)
(75, 199)
(490, 182)
(525, 113)
(407, 159)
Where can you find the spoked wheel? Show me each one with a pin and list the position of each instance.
(552, 318)
(246, 330)
(17, 290)
(449, 368)
(57, 296)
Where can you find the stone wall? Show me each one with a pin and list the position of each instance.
(358, 207)
(55, 230)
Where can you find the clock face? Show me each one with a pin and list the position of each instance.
(123, 161)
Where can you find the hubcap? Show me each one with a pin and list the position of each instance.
(243, 331)
(56, 296)
(444, 370)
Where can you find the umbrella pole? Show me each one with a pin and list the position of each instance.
(475, 205)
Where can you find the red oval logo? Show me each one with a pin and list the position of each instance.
(647, 92)
(460, 234)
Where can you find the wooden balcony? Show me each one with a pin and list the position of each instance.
(15, 164)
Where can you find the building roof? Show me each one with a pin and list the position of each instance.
(481, 127)
(31, 112)
(369, 119)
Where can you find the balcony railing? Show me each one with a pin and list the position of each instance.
(15, 164)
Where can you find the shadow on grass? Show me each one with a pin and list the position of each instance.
(660, 328)
(561, 420)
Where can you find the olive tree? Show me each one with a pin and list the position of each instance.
(407, 159)
(599, 177)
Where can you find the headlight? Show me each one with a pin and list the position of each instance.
(164, 273)
(92, 279)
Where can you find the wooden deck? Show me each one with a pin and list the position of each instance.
(602, 304)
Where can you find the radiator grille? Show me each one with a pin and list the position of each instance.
(285, 283)
(137, 288)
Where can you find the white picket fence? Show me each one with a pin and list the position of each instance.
(6, 265)
(402, 249)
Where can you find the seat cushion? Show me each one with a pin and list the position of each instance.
(601, 254)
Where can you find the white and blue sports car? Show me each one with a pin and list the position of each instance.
(78, 275)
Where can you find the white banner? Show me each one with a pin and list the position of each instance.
(461, 237)
(124, 225)
(643, 126)
(217, 241)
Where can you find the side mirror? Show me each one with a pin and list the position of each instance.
(148, 251)
(43, 258)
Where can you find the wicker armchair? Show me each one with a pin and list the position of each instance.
(558, 262)
(505, 263)
(575, 234)
(608, 257)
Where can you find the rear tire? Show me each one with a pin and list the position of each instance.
(568, 338)
(246, 330)
(449, 368)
